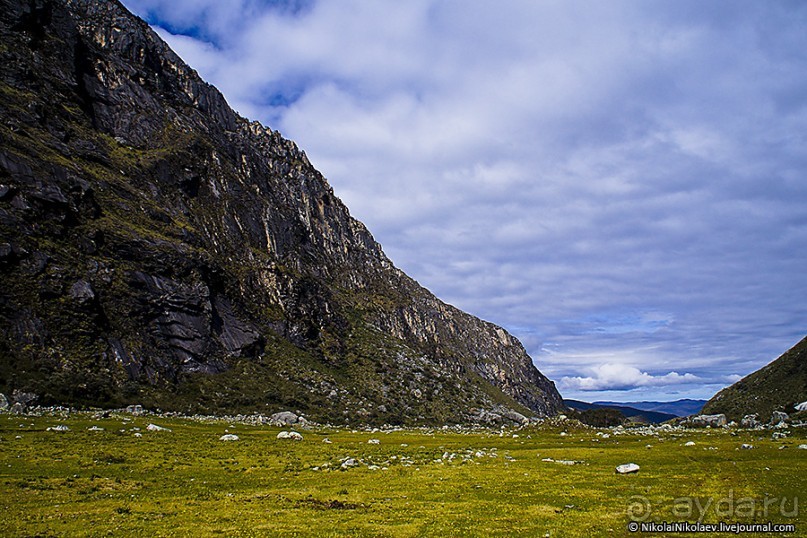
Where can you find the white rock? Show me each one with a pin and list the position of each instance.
(712, 421)
(135, 409)
(626, 468)
(745, 446)
(689, 443)
(803, 447)
(750, 421)
(228, 437)
(138, 434)
(294, 436)
(95, 429)
(350, 462)
(373, 442)
(59, 428)
(155, 428)
(327, 441)
(801, 407)
(285, 418)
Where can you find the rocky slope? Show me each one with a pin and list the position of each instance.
(777, 387)
(157, 248)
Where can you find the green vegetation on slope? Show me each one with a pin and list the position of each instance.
(158, 249)
(777, 387)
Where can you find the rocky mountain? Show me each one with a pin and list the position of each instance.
(778, 386)
(158, 249)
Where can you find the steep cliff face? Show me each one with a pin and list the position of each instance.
(157, 248)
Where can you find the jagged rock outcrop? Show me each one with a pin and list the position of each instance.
(712, 421)
(775, 388)
(157, 248)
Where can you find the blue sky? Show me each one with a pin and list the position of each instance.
(622, 185)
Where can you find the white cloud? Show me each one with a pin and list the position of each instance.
(731, 379)
(623, 377)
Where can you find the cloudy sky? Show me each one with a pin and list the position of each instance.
(620, 184)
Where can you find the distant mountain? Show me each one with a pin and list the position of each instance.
(639, 415)
(777, 387)
(156, 248)
(679, 408)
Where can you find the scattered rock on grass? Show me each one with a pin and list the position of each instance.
(627, 468)
(59, 428)
(294, 436)
(286, 418)
(350, 462)
(228, 437)
(134, 409)
(155, 428)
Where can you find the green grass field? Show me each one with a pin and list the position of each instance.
(186, 482)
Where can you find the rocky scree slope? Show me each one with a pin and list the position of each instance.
(779, 386)
(157, 248)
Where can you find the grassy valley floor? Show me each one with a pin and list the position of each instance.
(553, 480)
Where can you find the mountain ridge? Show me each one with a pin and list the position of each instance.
(777, 386)
(681, 408)
(653, 417)
(161, 249)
